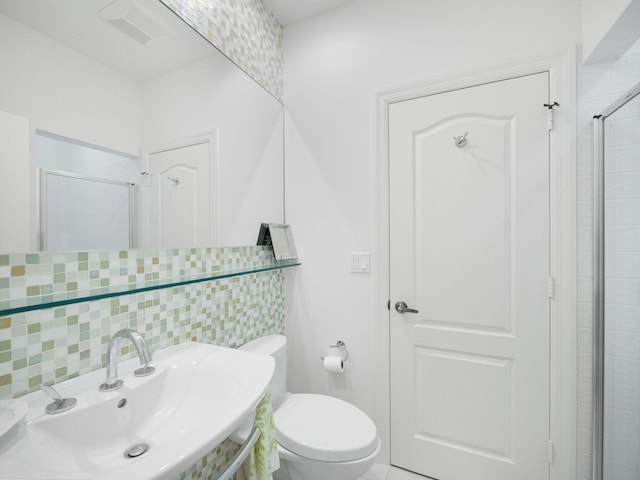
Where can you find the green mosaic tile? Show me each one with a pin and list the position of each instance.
(5, 356)
(19, 364)
(73, 348)
(33, 328)
(72, 320)
(5, 345)
(18, 271)
(35, 381)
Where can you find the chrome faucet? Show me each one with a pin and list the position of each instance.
(113, 355)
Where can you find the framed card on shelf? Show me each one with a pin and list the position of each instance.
(280, 238)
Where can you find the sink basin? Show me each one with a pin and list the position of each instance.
(199, 394)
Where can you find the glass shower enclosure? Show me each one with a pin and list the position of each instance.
(616, 392)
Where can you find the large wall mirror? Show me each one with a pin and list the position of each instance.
(121, 127)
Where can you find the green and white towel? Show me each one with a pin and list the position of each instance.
(263, 461)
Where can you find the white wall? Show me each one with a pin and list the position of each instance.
(63, 92)
(15, 188)
(599, 85)
(334, 65)
(213, 95)
(609, 28)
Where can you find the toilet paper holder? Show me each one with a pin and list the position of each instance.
(344, 353)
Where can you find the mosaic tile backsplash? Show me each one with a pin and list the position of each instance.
(245, 31)
(51, 345)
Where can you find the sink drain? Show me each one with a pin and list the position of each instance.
(136, 450)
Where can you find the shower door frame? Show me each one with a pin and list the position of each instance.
(598, 278)
(42, 201)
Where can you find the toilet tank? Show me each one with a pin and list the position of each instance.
(276, 347)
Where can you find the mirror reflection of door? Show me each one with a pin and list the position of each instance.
(181, 197)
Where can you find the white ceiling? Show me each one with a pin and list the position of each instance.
(291, 11)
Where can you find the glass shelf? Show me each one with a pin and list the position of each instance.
(11, 307)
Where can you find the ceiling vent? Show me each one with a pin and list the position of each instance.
(136, 21)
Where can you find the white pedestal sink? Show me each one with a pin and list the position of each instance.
(198, 395)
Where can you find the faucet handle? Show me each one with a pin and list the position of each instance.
(144, 371)
(59, 404)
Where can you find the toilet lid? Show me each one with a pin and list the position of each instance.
(324, 428)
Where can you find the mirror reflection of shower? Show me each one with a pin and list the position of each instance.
(616, 441)
(87, 196)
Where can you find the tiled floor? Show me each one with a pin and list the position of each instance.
(386, 472)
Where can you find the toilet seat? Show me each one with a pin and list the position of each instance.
(324, 428)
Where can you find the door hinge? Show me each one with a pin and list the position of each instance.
(551, 287)
(550, 452)
(550, 107)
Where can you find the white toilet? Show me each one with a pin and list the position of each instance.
(319, 437)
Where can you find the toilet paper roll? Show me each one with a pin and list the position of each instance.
(334, 364)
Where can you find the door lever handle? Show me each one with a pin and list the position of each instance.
(401, 307)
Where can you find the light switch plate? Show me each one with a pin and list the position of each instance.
(360, 262)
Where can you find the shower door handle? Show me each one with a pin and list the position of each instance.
(401, 307)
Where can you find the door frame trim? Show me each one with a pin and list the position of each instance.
(561, 67)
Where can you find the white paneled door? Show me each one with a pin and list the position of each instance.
(180, 207)
(469, 246)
